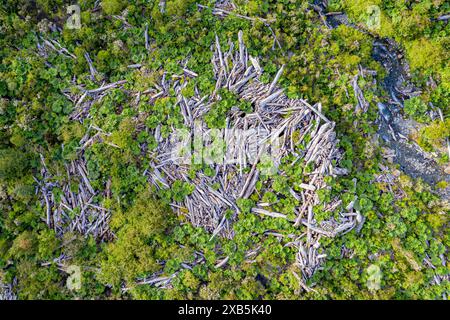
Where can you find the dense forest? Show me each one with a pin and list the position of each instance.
(357, 207)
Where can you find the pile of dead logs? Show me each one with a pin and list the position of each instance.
(84, 102)
(274, 117)
(6, 290)
(278, 125)
(70, 201)
(361, 103)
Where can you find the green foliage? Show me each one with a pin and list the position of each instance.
(245, 205)
(437, 131)
(113, 6)
(140, 233)
(416, 108)
(423, 54)
(181, 189)
(24, 244)
(13, 163)
(216, 117)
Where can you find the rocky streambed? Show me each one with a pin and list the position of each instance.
(394, 128)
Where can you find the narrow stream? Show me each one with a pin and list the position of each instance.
(394, 129)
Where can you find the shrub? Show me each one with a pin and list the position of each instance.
(113, 6)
